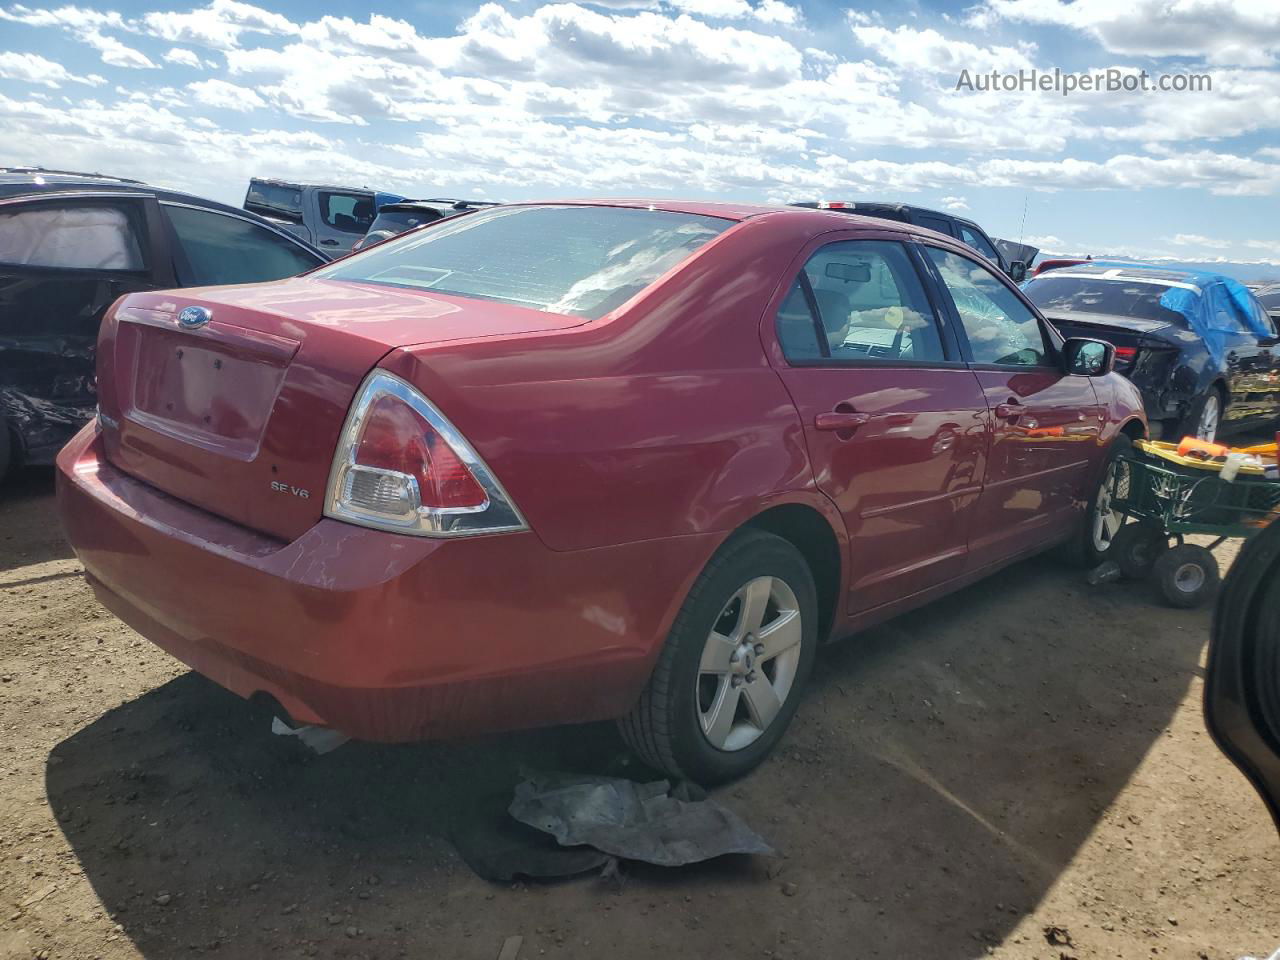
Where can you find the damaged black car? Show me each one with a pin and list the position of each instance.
(70, 244)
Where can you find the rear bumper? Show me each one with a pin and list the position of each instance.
(381, 636)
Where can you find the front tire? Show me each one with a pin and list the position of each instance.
(730, 675)
(1092, 545)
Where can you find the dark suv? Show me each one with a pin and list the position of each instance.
(966, 231)
(70, 245)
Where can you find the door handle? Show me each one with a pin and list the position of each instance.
(840, 420)
(1009, 411)
(329, 243)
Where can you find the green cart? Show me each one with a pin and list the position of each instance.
(1170, 497)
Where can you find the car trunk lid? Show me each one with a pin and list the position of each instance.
(240, 414)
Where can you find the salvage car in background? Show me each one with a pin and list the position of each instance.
(70, 244)
(964, 230)
(1200, 346)
(330, 217)
(394, 219)
(554, 463)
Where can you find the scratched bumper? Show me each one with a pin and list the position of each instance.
(382, 636)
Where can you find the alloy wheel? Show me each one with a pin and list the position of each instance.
(749, 663)
(1210, 417)
(1106, 519)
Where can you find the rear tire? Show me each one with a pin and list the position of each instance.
(730, 675)
(1187, 575)
(1137, 547)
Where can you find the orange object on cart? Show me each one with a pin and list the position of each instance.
(1204, 449)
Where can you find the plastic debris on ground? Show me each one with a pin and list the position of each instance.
(634, 821)
(501, 849)
(320, 739)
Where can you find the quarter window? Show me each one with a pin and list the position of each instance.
(348, 212)
(935, 223)
(225, 249)
(85, 237)
(859, 300)
(1000, 328)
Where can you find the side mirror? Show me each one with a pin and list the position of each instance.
(1018, 271)
(1088, 358)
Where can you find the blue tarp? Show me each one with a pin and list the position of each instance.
(381, 199)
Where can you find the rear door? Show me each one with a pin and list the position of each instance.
(63, 261)
(895, 422)
(344, 217)
(1046, 423)
(213, 247)
(1248, 359)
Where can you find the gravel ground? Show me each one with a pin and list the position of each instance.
(1020, 770)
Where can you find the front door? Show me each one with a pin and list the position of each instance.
(63, 261)
(1046, 424)
(895, 422)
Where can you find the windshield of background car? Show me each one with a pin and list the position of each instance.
(581, 261)
(1117, 297)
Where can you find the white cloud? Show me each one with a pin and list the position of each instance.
(183, 57)
(117, 54)
(31, 68)
(1197, 240)
(219, 25)
(723, 9)
(929, 50)
(86, 25)
(766, 11)
(775, 11)
(1229, 32)
(227, 96)
(955, 203)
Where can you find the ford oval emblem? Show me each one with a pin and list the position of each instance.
(192, 317)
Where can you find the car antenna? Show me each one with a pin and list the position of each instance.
(1022, 229)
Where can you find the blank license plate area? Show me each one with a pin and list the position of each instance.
(202, 388)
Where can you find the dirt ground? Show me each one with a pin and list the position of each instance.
(1020, 771)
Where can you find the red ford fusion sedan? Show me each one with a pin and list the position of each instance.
(553, 463)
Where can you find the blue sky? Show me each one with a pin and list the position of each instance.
(768, 100)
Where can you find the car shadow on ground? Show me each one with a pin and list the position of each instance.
(943, 770)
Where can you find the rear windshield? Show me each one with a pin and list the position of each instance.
(1116, 297)
(274, 200)
(580, 261)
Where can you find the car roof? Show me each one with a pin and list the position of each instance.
(1116, 271)
(275, 181)
(726, 210)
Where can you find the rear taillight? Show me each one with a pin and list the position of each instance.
(1125, 356)
(400, 465)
